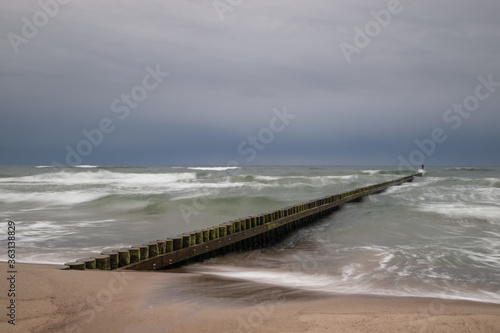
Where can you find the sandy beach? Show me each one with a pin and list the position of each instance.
(49, 299)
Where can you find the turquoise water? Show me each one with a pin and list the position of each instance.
(438, 236)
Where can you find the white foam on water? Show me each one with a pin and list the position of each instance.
(351, 272)
(371, 172)
(73, 166)
(377, 269)
(324, 181)
(195, 190)
(463, 210)
(346, 177)
(492, 181)
(268, 178)
(436, 191)
(385, 260)
(213, 168)
(313, 282)
(65, 255)
(40, 231)
(466, 168)
(297, 182)
(422, 171)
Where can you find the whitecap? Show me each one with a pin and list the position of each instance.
(213, 168)
(462, 210)
(267, 178)
(370, 172)
(50, 198)
(102, 177)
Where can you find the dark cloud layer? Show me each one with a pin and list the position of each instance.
(226, 78)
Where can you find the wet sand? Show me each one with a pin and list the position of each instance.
(52, 300)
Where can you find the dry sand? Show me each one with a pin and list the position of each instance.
(51, 300)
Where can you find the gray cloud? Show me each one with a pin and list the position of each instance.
(226, 78)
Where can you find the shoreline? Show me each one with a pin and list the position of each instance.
(49, 299)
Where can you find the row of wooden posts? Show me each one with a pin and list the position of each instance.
(243, 234)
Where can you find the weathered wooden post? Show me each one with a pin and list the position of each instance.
(102, 262)
(124, 257)
(162, 243)
(152, 249)
(144, 250)
(199, 236)
(177, 243)
(89, 262)
(78, 265)
(135, 255)
(186, 240)
(113, 258)
(169, 245)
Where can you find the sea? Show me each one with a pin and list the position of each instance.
(438, 236)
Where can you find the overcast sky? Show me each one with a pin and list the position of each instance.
(250, 82)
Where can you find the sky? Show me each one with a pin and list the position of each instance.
(240, 82)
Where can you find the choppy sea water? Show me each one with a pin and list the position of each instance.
(438, 236)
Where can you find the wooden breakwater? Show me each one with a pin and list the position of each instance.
(243, 234)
